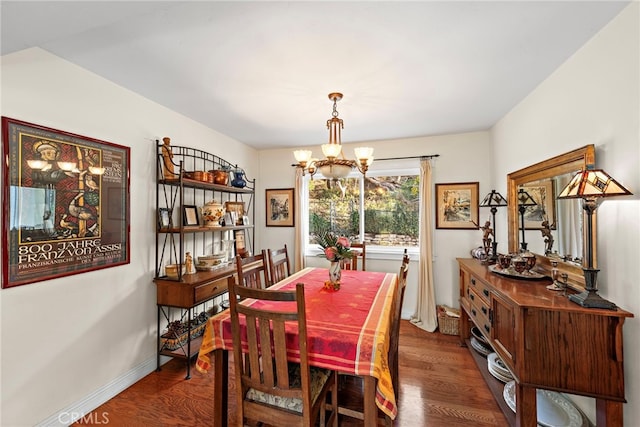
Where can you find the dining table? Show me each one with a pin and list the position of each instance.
(347, 331)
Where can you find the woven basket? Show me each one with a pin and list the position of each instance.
(447, 324)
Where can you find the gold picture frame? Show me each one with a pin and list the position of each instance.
(236, 208)
(457, 206)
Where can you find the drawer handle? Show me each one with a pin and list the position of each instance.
(473, 311)
(473, 281)
(484, 310)
(485, 292)
(486, 328)
(472, 296)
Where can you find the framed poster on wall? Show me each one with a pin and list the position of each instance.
(66, 203)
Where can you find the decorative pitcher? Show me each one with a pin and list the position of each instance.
(238, 179)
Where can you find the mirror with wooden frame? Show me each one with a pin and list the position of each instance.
(551, 174)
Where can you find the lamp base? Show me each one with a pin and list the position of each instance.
(591, 299)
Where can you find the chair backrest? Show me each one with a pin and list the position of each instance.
(264, 329)
(359, 258)
(279, 264)
(253, 271)
(395, 321)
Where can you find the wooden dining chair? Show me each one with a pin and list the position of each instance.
(279, 264)
(392, 357)
(253, 271)
(395, 323)
(359, 258)
(273, 390)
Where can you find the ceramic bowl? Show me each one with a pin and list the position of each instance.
(171, 270)
(208, 261)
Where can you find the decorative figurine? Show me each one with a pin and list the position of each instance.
(167, 159)
(548, 237)
(487, 239)
(188, 264)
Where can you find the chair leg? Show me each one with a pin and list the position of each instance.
(334, 402)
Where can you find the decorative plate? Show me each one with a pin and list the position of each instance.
(480, 348)
(499, 376)
(478, 335)
(511, 272)
(496, 364)
(554, 409)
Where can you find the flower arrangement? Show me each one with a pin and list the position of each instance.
(335, 248)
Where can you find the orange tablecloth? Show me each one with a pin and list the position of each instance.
(348, 330)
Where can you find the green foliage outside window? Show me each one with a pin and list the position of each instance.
(391, 206)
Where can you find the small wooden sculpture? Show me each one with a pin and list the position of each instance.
(188, 264)
(548, 237)
(167, 159)
(487, 238)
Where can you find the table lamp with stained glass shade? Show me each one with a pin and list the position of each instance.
(524, 201)
(493, 200)
(591, 185)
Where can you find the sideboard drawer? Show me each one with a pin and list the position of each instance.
(206, 291)
(479, 311)
(480, 288)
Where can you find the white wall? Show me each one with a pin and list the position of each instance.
(463, 158)
(61, 340)
(66, 338)
(594, 99)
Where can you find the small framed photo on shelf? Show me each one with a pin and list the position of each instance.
(280, 207)
(236, 209)
(241, 247)
(190, 216)
(457, 206)
(245, 220)
(164, 217)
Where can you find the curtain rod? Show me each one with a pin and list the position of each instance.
(429, 156)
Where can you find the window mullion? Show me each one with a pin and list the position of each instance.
(361, 209)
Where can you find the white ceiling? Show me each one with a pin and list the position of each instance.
(260, 72)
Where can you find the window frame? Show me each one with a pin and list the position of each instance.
(373, 251)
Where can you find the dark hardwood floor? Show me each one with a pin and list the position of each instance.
(439, 386)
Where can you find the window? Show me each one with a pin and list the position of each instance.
(381, 209)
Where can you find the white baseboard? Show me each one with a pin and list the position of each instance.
(79, 409)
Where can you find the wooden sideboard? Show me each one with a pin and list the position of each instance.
(546, 341)
(185, 295)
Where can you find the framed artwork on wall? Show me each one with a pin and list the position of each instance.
(457, 206)
(66, 203)
(280, 207)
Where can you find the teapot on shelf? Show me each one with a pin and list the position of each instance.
(212, 213)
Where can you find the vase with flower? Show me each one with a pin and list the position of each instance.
(336, 248)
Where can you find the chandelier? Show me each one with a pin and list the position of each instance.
(334, 166)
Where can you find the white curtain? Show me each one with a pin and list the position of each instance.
(298, 255)
(426, 316)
